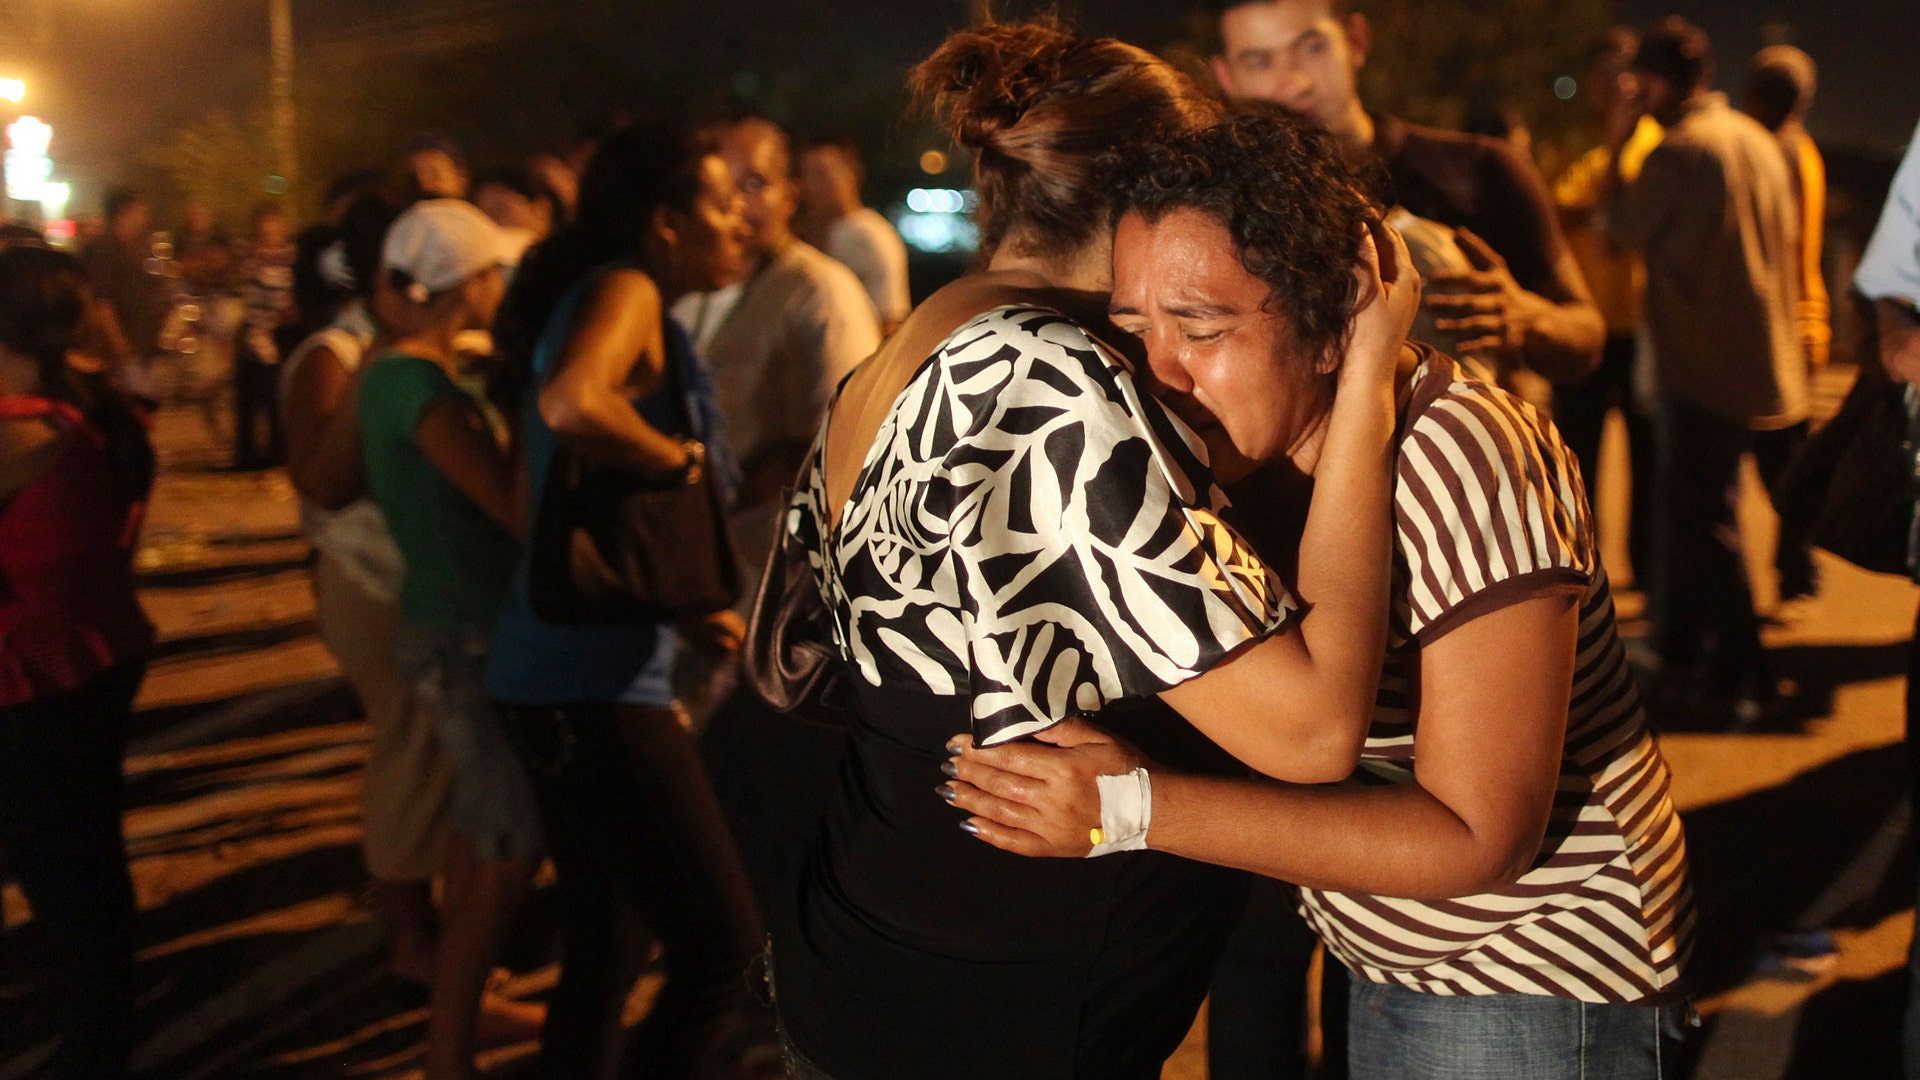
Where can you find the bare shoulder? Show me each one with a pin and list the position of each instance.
(626, 288)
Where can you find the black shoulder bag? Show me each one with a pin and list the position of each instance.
(790, 657)
(613, 546)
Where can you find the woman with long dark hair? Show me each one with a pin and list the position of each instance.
(75, 471)
(637, 838)
(1008, 531)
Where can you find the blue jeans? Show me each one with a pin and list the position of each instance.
(1401, 1034)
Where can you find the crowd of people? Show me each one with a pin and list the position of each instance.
(1153, 561)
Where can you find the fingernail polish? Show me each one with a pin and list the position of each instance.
(954, 747)
(970, 828)
(946, 792)
(950, 768)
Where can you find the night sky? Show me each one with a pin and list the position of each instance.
(122, 72)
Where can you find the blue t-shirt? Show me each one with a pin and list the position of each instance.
(535, 662)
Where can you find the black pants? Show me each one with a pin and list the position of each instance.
(256, 394)
(1773, 451)
(1256, 1011)
(638, 845)
(1701, 604)
(60, 827)
(775, 777)
(1580, 412)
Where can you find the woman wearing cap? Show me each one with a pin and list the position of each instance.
(444, 485)
(356, 577)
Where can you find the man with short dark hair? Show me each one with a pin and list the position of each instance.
(436, 168)
(1779, 92)
(266, 285)
(857, 235)
(1714, 214)
(780, 341)
(1524, 302)
(117, 265)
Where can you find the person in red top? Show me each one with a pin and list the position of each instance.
(75, 471)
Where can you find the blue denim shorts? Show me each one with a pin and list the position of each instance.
(493, 802)
(1401, 1034)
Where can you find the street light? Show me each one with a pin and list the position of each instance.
(54, 196)
(27, 166)
(284, 130)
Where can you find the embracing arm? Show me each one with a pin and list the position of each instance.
(1488, 755)
(617, 350)
(1296, 705)
(1487, 762)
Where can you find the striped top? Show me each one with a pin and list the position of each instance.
(1490, 510)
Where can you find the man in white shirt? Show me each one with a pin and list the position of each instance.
(857, 235)
(1889, 273)
(1889, 276)
(782, 340)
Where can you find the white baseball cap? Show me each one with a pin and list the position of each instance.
(440, 243)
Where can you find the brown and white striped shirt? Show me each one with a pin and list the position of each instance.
(1490, 510)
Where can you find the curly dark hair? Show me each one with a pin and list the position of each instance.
(1295, 210)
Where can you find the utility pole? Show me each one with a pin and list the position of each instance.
(285, 158)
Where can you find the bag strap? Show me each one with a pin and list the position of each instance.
(679, 353)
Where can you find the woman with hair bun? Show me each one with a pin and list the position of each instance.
(1008, 532)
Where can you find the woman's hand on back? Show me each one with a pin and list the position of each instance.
(1039, 798)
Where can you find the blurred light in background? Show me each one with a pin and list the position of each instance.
(936, 201)
(933, 163)
(13, 90)
(936, 221)
(1565, 87)
(54, 196)
(27, 166)
(61, 233)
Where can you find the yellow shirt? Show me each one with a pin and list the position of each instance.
(1813, 314)
(1616, 278)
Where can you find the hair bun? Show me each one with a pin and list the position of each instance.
(982, 81)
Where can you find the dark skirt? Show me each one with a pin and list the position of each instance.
(909, 948)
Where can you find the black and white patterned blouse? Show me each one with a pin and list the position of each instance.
(1032, 532)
